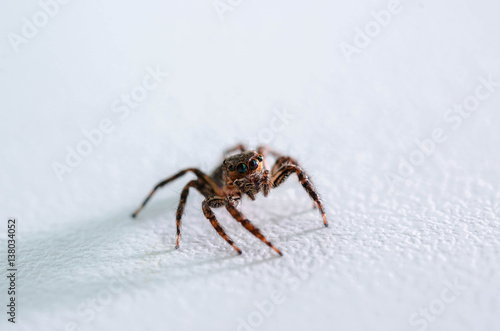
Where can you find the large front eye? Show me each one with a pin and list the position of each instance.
(242, 168)
(231, 167)
(253, 164)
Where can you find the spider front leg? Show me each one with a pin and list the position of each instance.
(231, 208)
(215, 202)
(182, 204)
(267, 183)
(283, 168)
(201, 176)
(264, 151)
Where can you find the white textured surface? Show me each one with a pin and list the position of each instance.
(390, 250)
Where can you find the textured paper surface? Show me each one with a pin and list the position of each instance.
(417, 254)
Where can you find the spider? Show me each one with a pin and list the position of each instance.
(245, 173)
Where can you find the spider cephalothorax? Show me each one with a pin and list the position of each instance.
(243, 173)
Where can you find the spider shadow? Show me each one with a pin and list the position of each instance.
(276, 219)
(159, 208)
(155, 253)
(303, 233)
(244, 265)
(84, 257)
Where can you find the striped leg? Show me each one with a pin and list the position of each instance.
(214, 202)
(231, 208)
(267, 183)
(182, 204)
(264, 151)
(201, 176)
(280, 175)
(281, 162)
(285, 160)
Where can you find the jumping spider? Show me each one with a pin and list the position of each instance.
(243, 173)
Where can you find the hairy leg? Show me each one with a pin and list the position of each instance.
(264, 151)
(280, 175)
(284, 160)
(215, 202)
(201, 177)
(182, 203)
(231, 208)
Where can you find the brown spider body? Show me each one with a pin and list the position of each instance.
(250, 182)
(240, 174)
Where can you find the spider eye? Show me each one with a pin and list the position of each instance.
(253, 164)
(260, 157)
(242, 168)
(231, 167)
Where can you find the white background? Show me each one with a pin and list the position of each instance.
(393, 246)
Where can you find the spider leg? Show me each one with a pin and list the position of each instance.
(215, 202)
(264, 151)
(286, 166)
(266, 187)
(282, 160)
(231, 208)
(240, 147)
(201, 177)
(182, 203)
